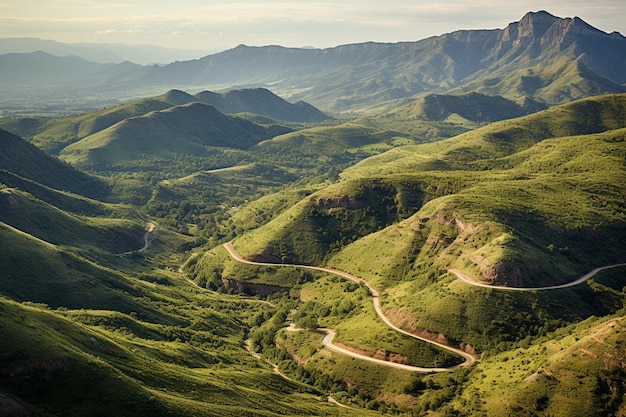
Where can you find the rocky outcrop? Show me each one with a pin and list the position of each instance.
(509, 273)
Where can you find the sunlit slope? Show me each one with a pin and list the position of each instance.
(577, 370)
(475, 149)
(520, 186)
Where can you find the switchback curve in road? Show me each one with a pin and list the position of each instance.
(469, 358)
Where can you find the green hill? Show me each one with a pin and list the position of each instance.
(472, 106)
(262, 102)
(514, 203)
(52, 135)
(186, 130)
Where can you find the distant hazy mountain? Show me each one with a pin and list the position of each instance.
(541, 58)
(100, 53)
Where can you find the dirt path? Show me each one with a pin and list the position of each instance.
(469, 359)
(471, 281)
(146, 239)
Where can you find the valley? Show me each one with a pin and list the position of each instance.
(427, 228)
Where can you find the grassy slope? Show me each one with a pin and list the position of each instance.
(137, 367)
(521, 202)
(145, 341)
(183, 129)
(53, 135)
(24, 212)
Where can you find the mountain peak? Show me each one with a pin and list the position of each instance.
(533, 25)
(547, 28)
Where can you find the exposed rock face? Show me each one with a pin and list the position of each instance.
(508, 273)
(249, 288)
(547, 30)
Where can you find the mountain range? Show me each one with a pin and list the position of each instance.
(99, 53)
(440, 233)
(541, 58)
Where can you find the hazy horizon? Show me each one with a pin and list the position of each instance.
(215, 27)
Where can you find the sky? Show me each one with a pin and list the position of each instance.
(219, 25)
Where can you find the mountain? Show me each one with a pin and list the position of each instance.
(187, 129)
(41, 69)
(100, 53)
(263, 102)
(475, 107)
(541, 58)
(355, 75)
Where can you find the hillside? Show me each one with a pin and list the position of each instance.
(262, 102)
(26, 161)
(474, 107)
(446, 179)
(187, 129)
(520, 210)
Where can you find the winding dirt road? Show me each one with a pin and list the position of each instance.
(146, 237)
(469, 280)
(469, 359)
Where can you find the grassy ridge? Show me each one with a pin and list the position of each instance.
(38, 218)
(525, 202)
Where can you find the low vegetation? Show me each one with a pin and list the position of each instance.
(181, 325)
